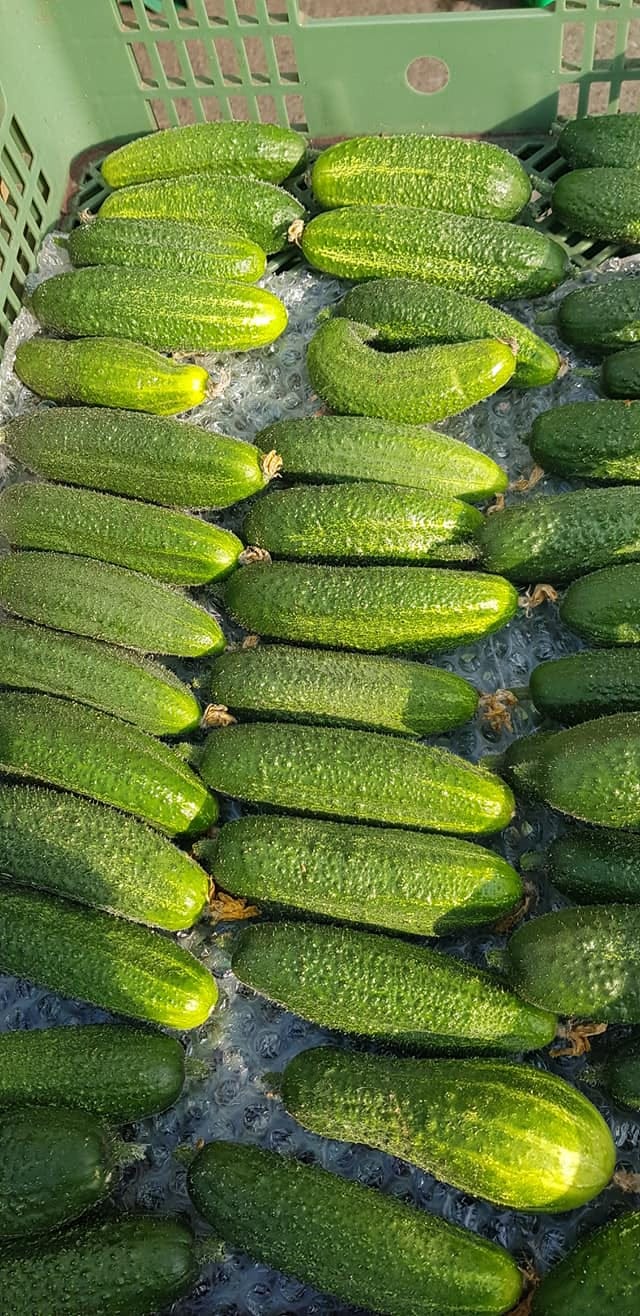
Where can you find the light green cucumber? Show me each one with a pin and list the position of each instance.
(559, 537)
(167, 244)
(262, 149)
(109, 372)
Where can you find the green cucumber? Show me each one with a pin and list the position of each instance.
(335, 448)
(583, 962)
(357, 775)
(106, 603)
(86, 852)
(258, 210)
(172, 546)
(557, 538)
(159, 460)
(589, 441)
(128, 1267)
(382, 609)
(590, 772)
(601, 139)
(523, 1138)
(483, 257)
(386, 988)
(589, 684)
(362, 522)
(602, 315)
(601, 1275)
(262, 149)
(357, 690)
(596, 867)
(165, 244)
(409, 313)
(430, 886)
(391, 1258)
(82, 750)
(603, 607)
(620, 375)
(109, 372)
(423, 384)
(600, 203)
(621, 1074)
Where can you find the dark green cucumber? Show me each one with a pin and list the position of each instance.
(173, 546)
(589, 441)
(165, 244)
(109, 372)
(621, 1073)
(82, 750)
(128, 1267)
(603, 315)
(313, 685)
(596, 867)
(603, 607)
(620, 375)
(600, 203)
(368, 522)
(385, 988)
(106, 603)
(391, 1258)
(557, 538)
(384, 878)
(483, 257)
(523, 1138)
(601, 1275)
(587, 685)
(98, 856)
(336, 448)
(612, 140)
(410, 313)
(262, 149)
(357, 775)
(382, 609)
(420, 385)
(583, 962)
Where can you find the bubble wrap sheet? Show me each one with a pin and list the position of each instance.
(248, 1038)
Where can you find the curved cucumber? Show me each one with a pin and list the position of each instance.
(596, 867)
(602, 315)
(600, 203)
(563, 536)
(603, 607)
(601, 1275)
(582, 962)
(262, 149)
(620, 375)
(591, 771)
(109, 372)
(165, 244)
(523, 1138)
(587, 685)
(589, 441)
(621, 1074)
(601, 139)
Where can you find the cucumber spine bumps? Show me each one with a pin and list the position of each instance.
(109, 372)
(589, 684)
(559, 537)
(602, 315)
(601, 1275)
(167, 244)
(596, 867)
(583, 962)
(262, 149)
(589, 441)
(601, 203)
(601, 139)
(603, 606)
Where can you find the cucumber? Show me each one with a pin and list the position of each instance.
(589, 441)
(523, 1138)
(382, 609)
(384, 878)
(600, 203)
(603, 315)
(106, 603)
(620, 375)
(391, 1258)
(262, 149)
(172, 546)
(409, 313)
(161, 461)
(129, 1267)
(116, 1071)
(256, 209)
(563, 536)
(595, 868)
(603, 607)
(601, 139)
(86, 852)
(165, 244)
(587, 685)
(82, 750)
(582, 961)
(368, 522)
(387, 989)
(109, 372)
(591, 771)
(601, 1275)
(312, 685)
(132, 688)
(483, 257)
(336, 448)
(621, 1074)
(423, 384)
(168, 312)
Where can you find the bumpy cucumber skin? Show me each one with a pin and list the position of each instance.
(83, 750)
(586, 685)
(109, 372)
(524, 1138)
(620, 375)
(560, 537)
(612, 140)
(53, 1168)
(596, 867)
(380, 609)
(357, 775)
(600, 203)
(391, 1258)
(256, 209)
(589, 441)
(621, 1074)
(264, 150)
(590, 772)
(105, 602)
(100, 857)
(583, 961)
(127, 1267)
(116, 1071)
(601, 1275)
(417, 386)
(109, 962)
(603, 607)
(165, 244)
(483, 257)
(602, 315)
(357, 690)
(409, 313)
(337, 448)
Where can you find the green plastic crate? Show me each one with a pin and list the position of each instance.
(76, 74)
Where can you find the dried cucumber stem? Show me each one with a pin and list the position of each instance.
(535, 596)
(498, 505)
(217, 715)
(577, 1038)
(515, 916)
(627, 1181)
(532, 1281)
(295, 231)
(224, 908)
(527, 482)
(495, 709)
(253, 554)
(250, 642)
(215, 390)
(271, 465)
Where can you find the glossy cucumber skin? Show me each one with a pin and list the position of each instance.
(583, 961)
(603, 607)
(603, 315)
(383, 878)
(596, 867)
(601, 1275)
(165, 244)
(109, 372)
(262, 149)
(105, 602)
(416, 386)
(612, 140)
(601, 203)
(620, 376)
(83, 851)
(381, 987)
(483, 257)
(621, 1074)
(335, 448)
(93, 754)
(590, 772)
(357, 690)
(410, 313)
(109, 962)
(524, 1138)
(563, 536)
(588, 684)
(391, 1258)
(380, 609)
(590, 441)
(54, 1166)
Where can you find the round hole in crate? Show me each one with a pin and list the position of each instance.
(427, 74)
